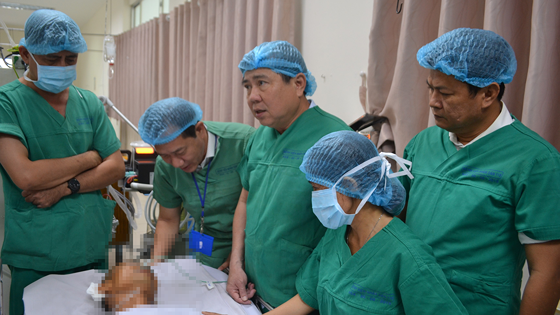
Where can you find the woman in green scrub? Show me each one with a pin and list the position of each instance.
(368, 261)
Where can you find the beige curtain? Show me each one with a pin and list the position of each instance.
(193, 53)
(397, 86)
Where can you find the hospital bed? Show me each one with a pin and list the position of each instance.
(184, 287)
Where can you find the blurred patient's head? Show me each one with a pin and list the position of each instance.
(127, 286)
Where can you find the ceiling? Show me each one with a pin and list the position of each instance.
(79, 10)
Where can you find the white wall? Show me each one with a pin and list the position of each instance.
(334, 44)
(92, 70)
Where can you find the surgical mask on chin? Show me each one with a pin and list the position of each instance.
(325, 204)
(51, 78)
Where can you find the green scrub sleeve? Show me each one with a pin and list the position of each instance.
(538, 197)
(427, 291)
(243, 171)
(243, 166)
(164, 192)
(8, 121)
(308, 278)
(105, 140)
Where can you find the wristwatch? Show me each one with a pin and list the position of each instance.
(74, 186)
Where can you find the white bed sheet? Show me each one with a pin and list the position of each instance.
(181, 291)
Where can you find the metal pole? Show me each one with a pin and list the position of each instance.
(106, 100)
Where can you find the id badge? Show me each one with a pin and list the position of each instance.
(201, 243)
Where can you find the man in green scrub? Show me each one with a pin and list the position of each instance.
(274, 229)
(58, 150)
(195, 169)
(485, 190)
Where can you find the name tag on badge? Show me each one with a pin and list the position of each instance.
(201, 243)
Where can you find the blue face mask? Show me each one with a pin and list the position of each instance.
(325, 204)
(328, 211)
(51, 78)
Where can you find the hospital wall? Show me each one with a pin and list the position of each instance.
(334, 40)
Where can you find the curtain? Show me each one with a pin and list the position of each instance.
(193, 53)
(396, 84)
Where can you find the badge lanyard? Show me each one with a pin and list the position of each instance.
(197, 240)
(202, 199)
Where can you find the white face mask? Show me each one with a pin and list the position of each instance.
(52, 79)
(325, 204)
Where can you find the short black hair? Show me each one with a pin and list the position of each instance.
(473, 90)
(287, 79)
(189, 132)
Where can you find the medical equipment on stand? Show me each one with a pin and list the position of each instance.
(142, 165)
(140, 176)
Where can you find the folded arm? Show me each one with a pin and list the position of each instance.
(41, 174)
(109, 171)
(542, 292)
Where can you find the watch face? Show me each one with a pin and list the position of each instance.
(74, 185)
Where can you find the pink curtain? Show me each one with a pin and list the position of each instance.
(194, 54)
(397, 86)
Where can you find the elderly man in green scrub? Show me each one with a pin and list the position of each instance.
(274, 229)
(58, 150)
(196, 169)
(485, 190)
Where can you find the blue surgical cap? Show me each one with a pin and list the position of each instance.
(165, 120)
(477, 57)
(280, 57)
(337, 153)
(50, 31)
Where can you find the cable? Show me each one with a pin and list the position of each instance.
(189, 221)
(129, 204)
(6, 63)
(137, 201)
(147, 211)
(119, 198)
(4, 58)
(150, 215)
(7, 33)
(131, 178)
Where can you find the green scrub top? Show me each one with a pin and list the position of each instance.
(393, 273)
(281, 230)
(173, 187)
(470, 205)
(75, 231)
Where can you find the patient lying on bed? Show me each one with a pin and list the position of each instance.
(127, 286)
(176, 286)
(173, 287)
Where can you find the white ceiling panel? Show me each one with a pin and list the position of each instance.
(80, 11)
